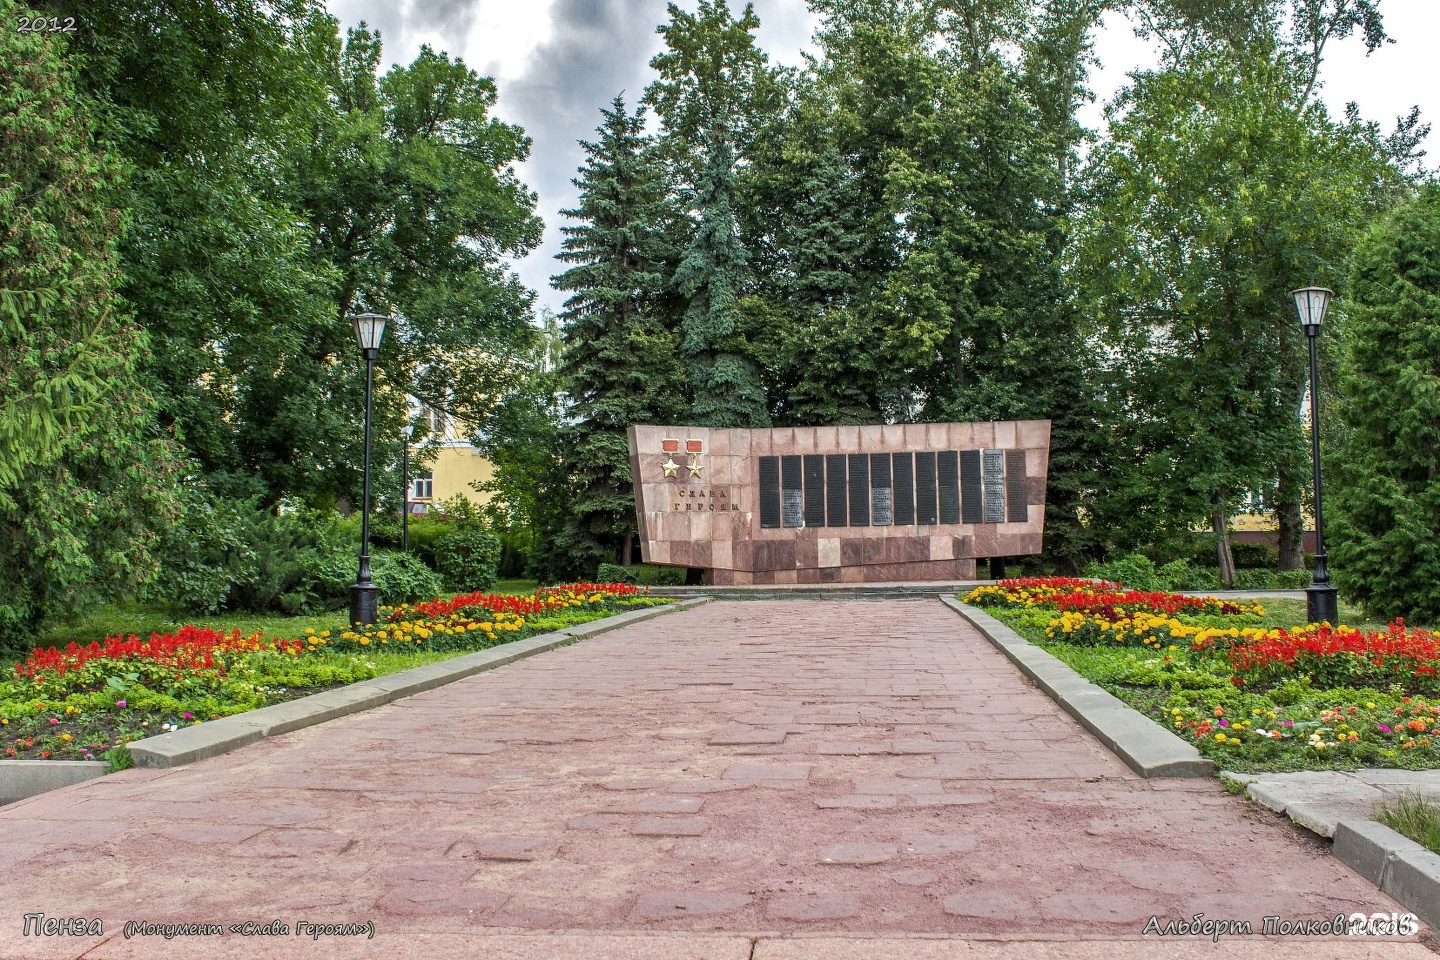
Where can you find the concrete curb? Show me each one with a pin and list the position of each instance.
(25, 778)
(1145, 746)
(1400, 867)
(205, 740)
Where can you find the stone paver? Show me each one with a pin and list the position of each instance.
(588, 795)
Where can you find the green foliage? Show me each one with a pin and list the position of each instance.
(1136, 572)
(1181, 575)
(404, 578)
(620, 365)
(409, 191)
(86, 481)
(1254, 555)
(1219, 185)
(614, 573)
(1384, 492)
(468, 557)
(656, 575)
(714, 84)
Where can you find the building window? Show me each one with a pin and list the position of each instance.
(422, 487)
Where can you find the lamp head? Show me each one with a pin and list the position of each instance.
(1311, 303)
(369, 328)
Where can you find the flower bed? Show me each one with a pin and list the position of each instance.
(1250, 694)
(79, 703)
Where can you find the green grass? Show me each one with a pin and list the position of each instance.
(1413, 816)
(1288, 613)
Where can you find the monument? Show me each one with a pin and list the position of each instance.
(855, 504)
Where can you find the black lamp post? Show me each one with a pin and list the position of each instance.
(364, 598)
(1321, 599)
(405, 432)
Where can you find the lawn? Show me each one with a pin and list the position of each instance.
(130, 673)
(1246, 682)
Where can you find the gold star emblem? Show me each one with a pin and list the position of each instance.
(695, 467)
(670, 467)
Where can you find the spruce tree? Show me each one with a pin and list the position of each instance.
(714, 85)
(1384, 488)
(620, 365)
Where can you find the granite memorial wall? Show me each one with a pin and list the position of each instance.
(899, 502)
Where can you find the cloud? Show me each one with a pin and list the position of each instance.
(597, 49)
(591, 51)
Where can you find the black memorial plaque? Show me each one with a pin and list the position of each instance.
(1016, 510)
(792, 505)
(903, 498)
(835, 513)
(947, 480)
(994, 462)
(769, 492)
(972, 487)
(814, 490)
(881, 498)
(925, 487)
(859, 490)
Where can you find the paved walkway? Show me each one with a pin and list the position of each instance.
(741, 780)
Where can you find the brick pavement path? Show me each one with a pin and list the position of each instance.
(741, 770)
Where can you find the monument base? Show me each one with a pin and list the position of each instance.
(913, 572)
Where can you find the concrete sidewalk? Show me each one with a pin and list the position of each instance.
(775, 779)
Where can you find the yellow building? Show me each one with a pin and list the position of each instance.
(445, 463)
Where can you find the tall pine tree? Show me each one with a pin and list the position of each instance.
(620, 365)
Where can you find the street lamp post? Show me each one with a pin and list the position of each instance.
(405, 432)
(364, 597)
(1321, 599)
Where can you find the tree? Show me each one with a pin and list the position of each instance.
(530, 491)
(1220, 185)
(911, 225)
(85, 481)
(200, 99)
(1384, 478)
(409, 188)
(714, 82)
(621, 365)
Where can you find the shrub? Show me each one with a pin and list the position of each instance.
(468, 556)
(1254, 579)
(1135, 571)
(614, 573)
(203, 553)
(655, 575)
(1181, 575)
(1294, 579)
(1254, 556)
(403, 578)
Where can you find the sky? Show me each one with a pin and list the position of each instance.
(556, 63)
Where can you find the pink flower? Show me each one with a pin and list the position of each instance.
(54, 722)
(1383, 728)
(120, 703)
(189, 716)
